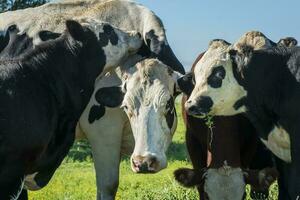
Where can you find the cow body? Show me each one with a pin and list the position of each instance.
(276, 117)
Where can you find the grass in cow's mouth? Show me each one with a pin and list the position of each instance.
(75, 179)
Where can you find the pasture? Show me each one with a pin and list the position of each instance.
(75, 179)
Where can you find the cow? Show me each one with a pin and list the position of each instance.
(44, 92)
(127, 15)
(262, 84)
(141, 117)
(238, 147)
(247, 151)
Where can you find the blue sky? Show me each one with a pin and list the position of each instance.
(191, 24)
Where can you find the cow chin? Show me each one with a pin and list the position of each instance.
(224, 183)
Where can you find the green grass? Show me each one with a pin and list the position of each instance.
(75, 180)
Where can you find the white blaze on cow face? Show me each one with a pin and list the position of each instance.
(149, 104)
(216, 89)
(117, 44)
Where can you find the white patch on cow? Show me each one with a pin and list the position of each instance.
(148, 90)
(255, 39)
(225, 183)
(30, 183)
(229, 93)
(279, 143)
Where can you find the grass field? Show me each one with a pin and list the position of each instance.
(75, 180)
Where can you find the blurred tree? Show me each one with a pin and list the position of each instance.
(6, 5)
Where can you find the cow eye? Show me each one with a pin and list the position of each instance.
(219, 72)
(216, 77)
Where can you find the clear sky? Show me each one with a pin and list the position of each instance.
(191, 24)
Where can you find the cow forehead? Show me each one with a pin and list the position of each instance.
(151, 82)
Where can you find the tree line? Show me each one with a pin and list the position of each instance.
(7, 5)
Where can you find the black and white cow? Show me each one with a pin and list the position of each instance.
(146, 92)
(127, 15)
(43, 93)
(263, 84)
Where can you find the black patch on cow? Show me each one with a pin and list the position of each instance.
(48, 35)
(186, 84)
(4, 39)
(108, 35)
(163, 52)
(216, 77)
(170, 112)
(109, 96)
(96, 112)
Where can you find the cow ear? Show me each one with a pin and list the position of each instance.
(110, 96)
(162, 51)
(186, 84)
(76, 30)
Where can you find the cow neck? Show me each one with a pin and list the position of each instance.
(223, 146)
(60, 65)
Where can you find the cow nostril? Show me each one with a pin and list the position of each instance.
(152, 162)
(205, 103)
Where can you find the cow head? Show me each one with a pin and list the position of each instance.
(147, 96)
(117, 44)
(218, 76)
(211, 76)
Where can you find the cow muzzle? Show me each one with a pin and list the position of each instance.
(146, 164)
(200, 107)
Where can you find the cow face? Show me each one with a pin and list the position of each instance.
(217, 90)
(149, 105)
(117, 44)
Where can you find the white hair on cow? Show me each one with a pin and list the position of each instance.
(16, 196)
(255, 39)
